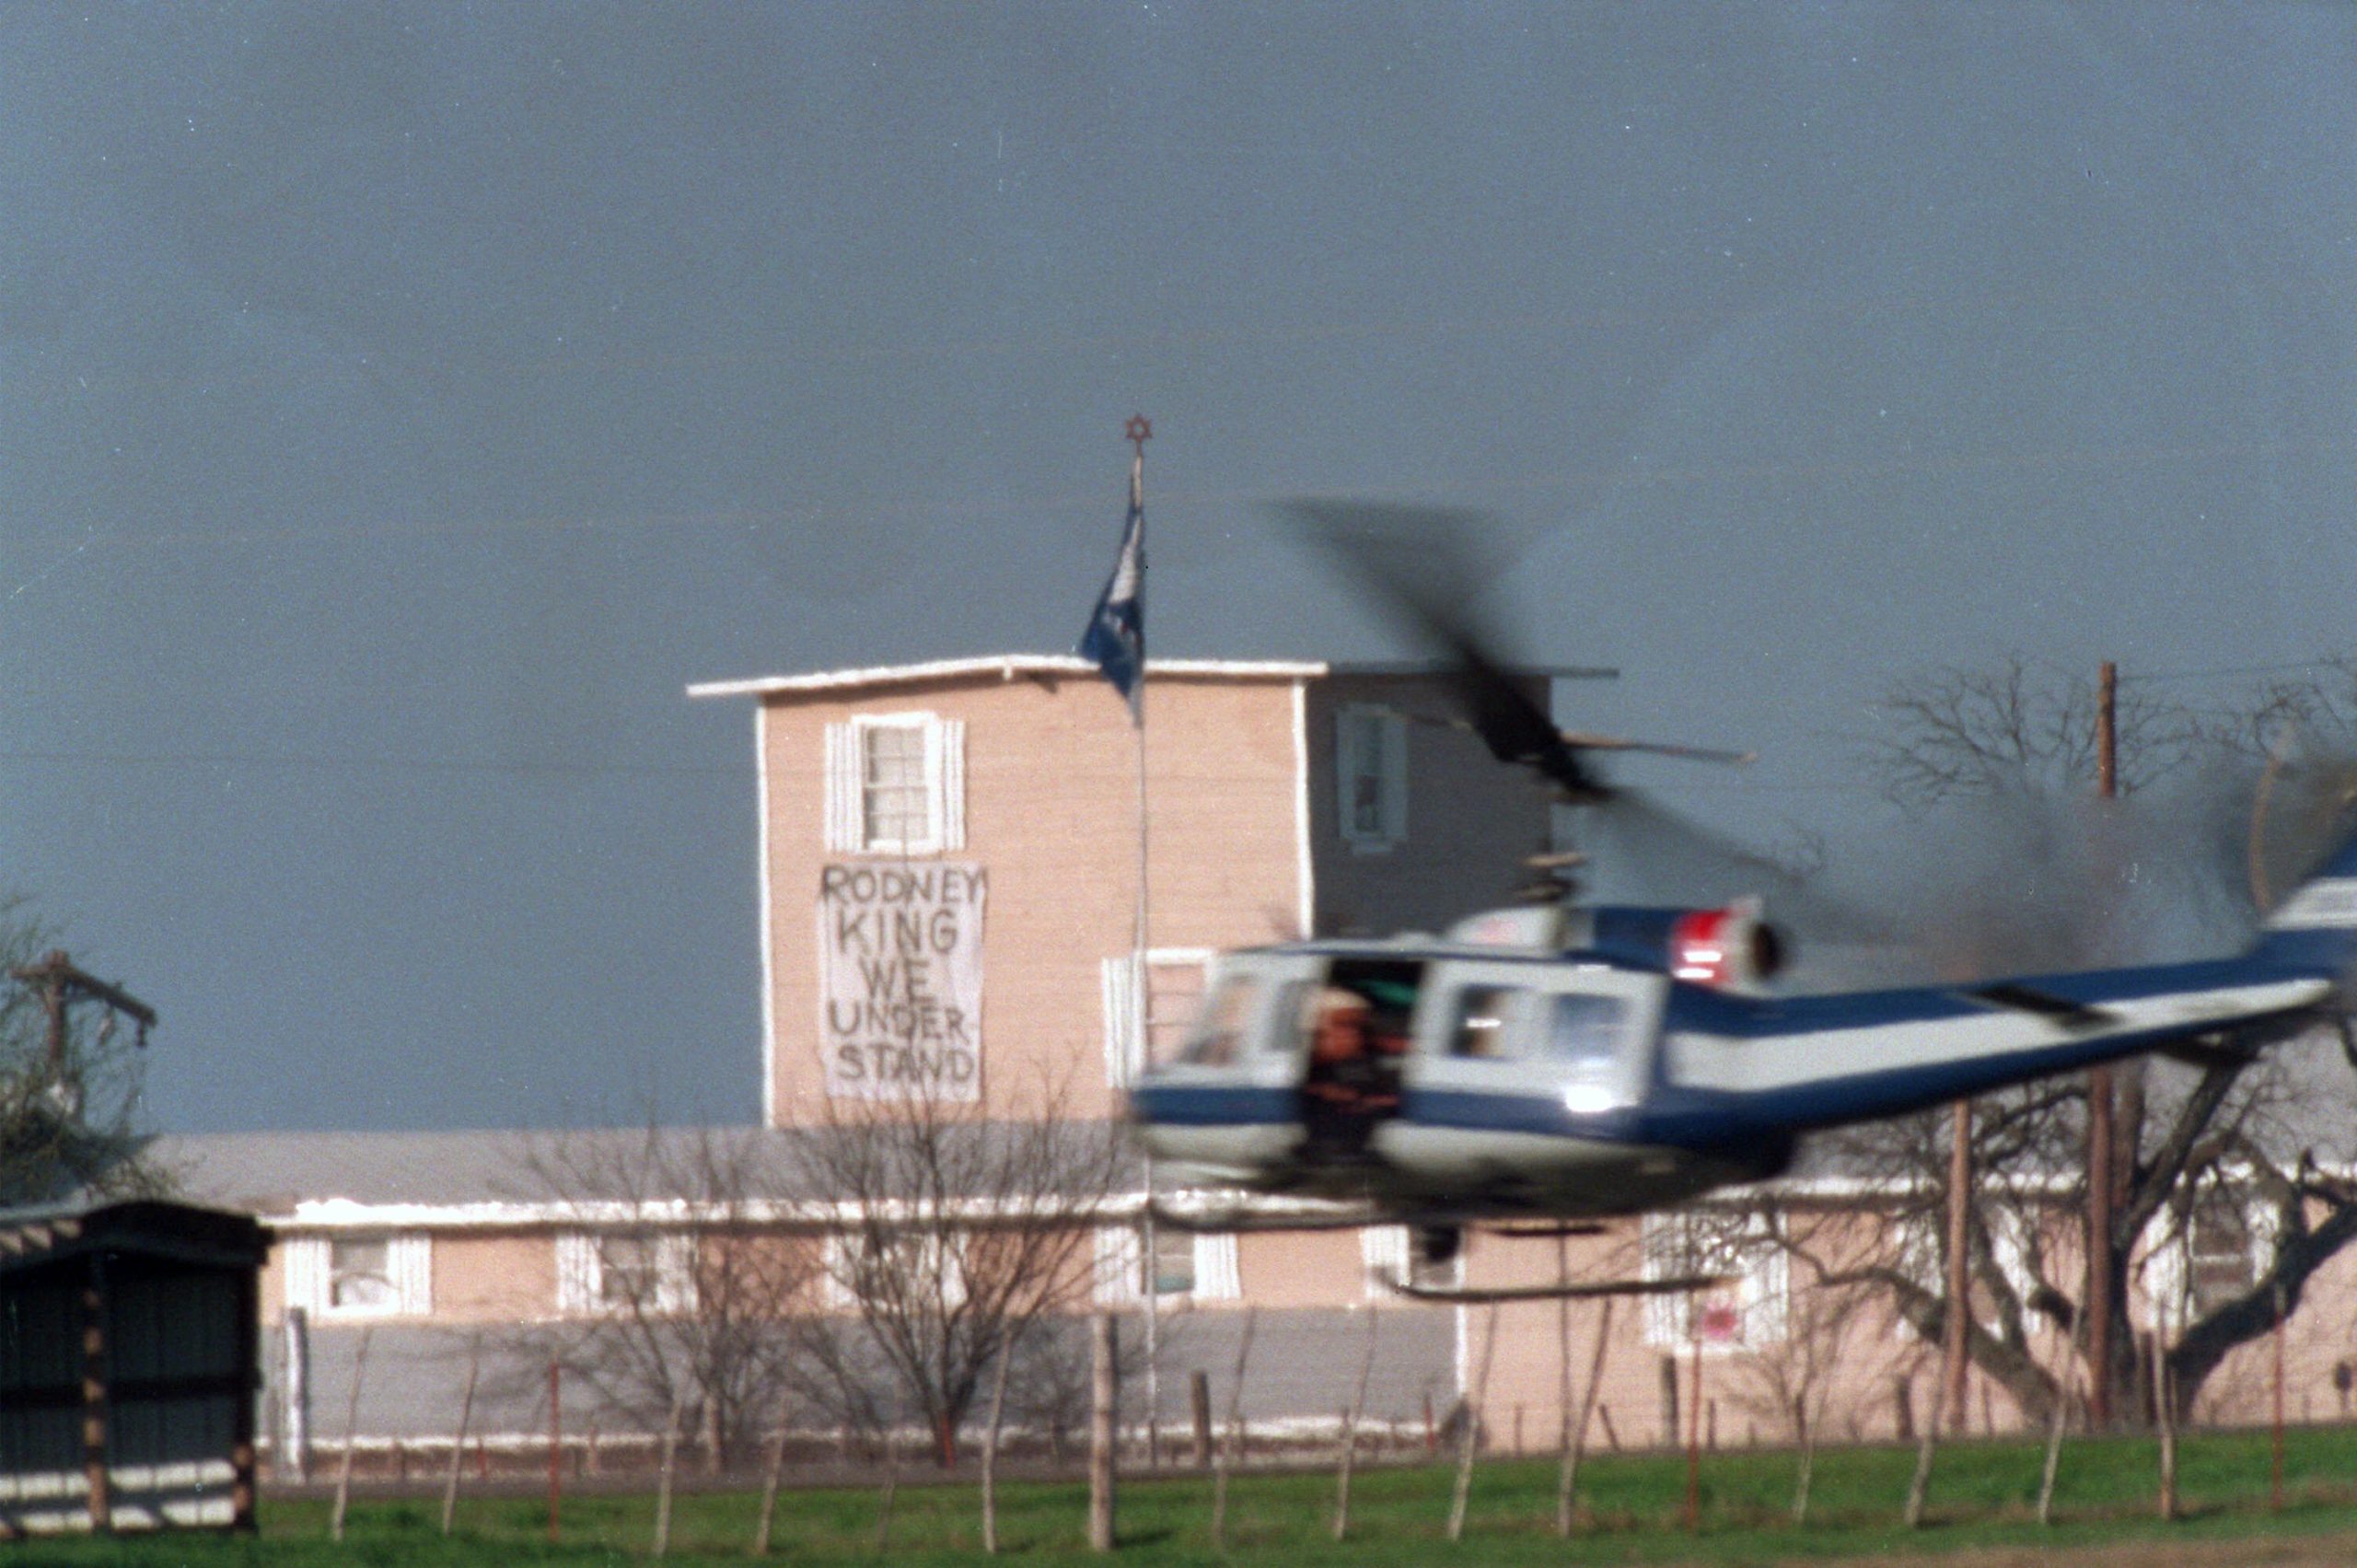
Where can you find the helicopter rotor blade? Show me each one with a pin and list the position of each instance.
(1418, 562)
(1585, 740)
(1588, 742)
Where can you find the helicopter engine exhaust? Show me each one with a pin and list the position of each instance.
(1731, 948)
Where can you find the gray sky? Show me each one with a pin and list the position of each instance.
(403, 403)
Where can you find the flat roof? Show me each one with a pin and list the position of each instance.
(1008, 667)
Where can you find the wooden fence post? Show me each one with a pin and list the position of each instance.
(990, 1452)
(556, 1446)
(667, 1465)
(1575, 1449)
(1469, 1410)
(459, 1439)
(892, 1486)
(2164, 1417)
(770, 1474)
(1229, 1451)
(97, 1397)
(351, 1430)
(1919, 1488)
(1105, 1410)
(1350, 1434)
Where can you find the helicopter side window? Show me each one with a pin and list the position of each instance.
(1485, 1023)
(1219, 1034)
(1583, 1032)
(1584, 1036)
(1298, 1002)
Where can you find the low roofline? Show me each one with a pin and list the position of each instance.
(1004, 667)
(1008, 667)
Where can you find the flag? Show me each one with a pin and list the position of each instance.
(1115, 640)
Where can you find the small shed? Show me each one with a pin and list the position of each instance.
(129, 1346)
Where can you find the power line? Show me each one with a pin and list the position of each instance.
(2223, 672)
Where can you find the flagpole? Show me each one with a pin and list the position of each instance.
(1139, 430)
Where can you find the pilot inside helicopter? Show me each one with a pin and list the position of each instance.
(1358, 1027)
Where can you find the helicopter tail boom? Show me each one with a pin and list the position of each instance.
(1826, 1061)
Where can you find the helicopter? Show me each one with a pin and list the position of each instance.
(1555, 1064)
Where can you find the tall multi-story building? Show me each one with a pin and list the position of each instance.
(952, 857)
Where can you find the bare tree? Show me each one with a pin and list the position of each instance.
(2009, 728)
(2016, 744)
(69, 1079)
(1899, 1249)
(956, 1240)
(679, 1277)
(1833, 1354)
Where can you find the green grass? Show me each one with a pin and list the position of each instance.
(1983, 1496)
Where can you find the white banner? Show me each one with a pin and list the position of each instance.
(901, 980)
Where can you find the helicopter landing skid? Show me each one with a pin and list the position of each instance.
(1262, 1217)
(1398, 1285)
(1241, 1218)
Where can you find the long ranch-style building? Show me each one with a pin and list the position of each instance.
(950, 868)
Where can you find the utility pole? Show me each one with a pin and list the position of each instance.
(61, 985)
(2101, 1136)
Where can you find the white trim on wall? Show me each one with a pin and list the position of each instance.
(1383, 1254)
(1006, 666)
(577, 1273)
(303, 1259)
(1216, 1274)
(1120, 1265)
(411, 1260)
(839, 791)
(1124, 1019)
(948, 758)
(1304, 866)
(770, 1111)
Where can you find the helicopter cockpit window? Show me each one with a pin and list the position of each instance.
(1485, 1023)
(1225, 1021)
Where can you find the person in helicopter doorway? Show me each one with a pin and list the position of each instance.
(1347, 1086)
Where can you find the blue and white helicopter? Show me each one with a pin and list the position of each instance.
(1554, 1064)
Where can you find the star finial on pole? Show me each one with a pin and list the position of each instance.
(1138, 432)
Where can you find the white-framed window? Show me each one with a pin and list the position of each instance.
(1389, 1251)
(1922, 1251)
(361, 1274)
(2213, 1256)
(895, 785)
(1202, 1267)
(1748, 1309)
(2221, 1253)
(917, 1267)
(1144, 1024)
(1174, 1268)
(603, 1273)
(1371, 776)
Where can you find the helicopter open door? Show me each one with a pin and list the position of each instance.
(1525, 1074)
(1228, 1109)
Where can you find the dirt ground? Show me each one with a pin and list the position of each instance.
(2337, 1550)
